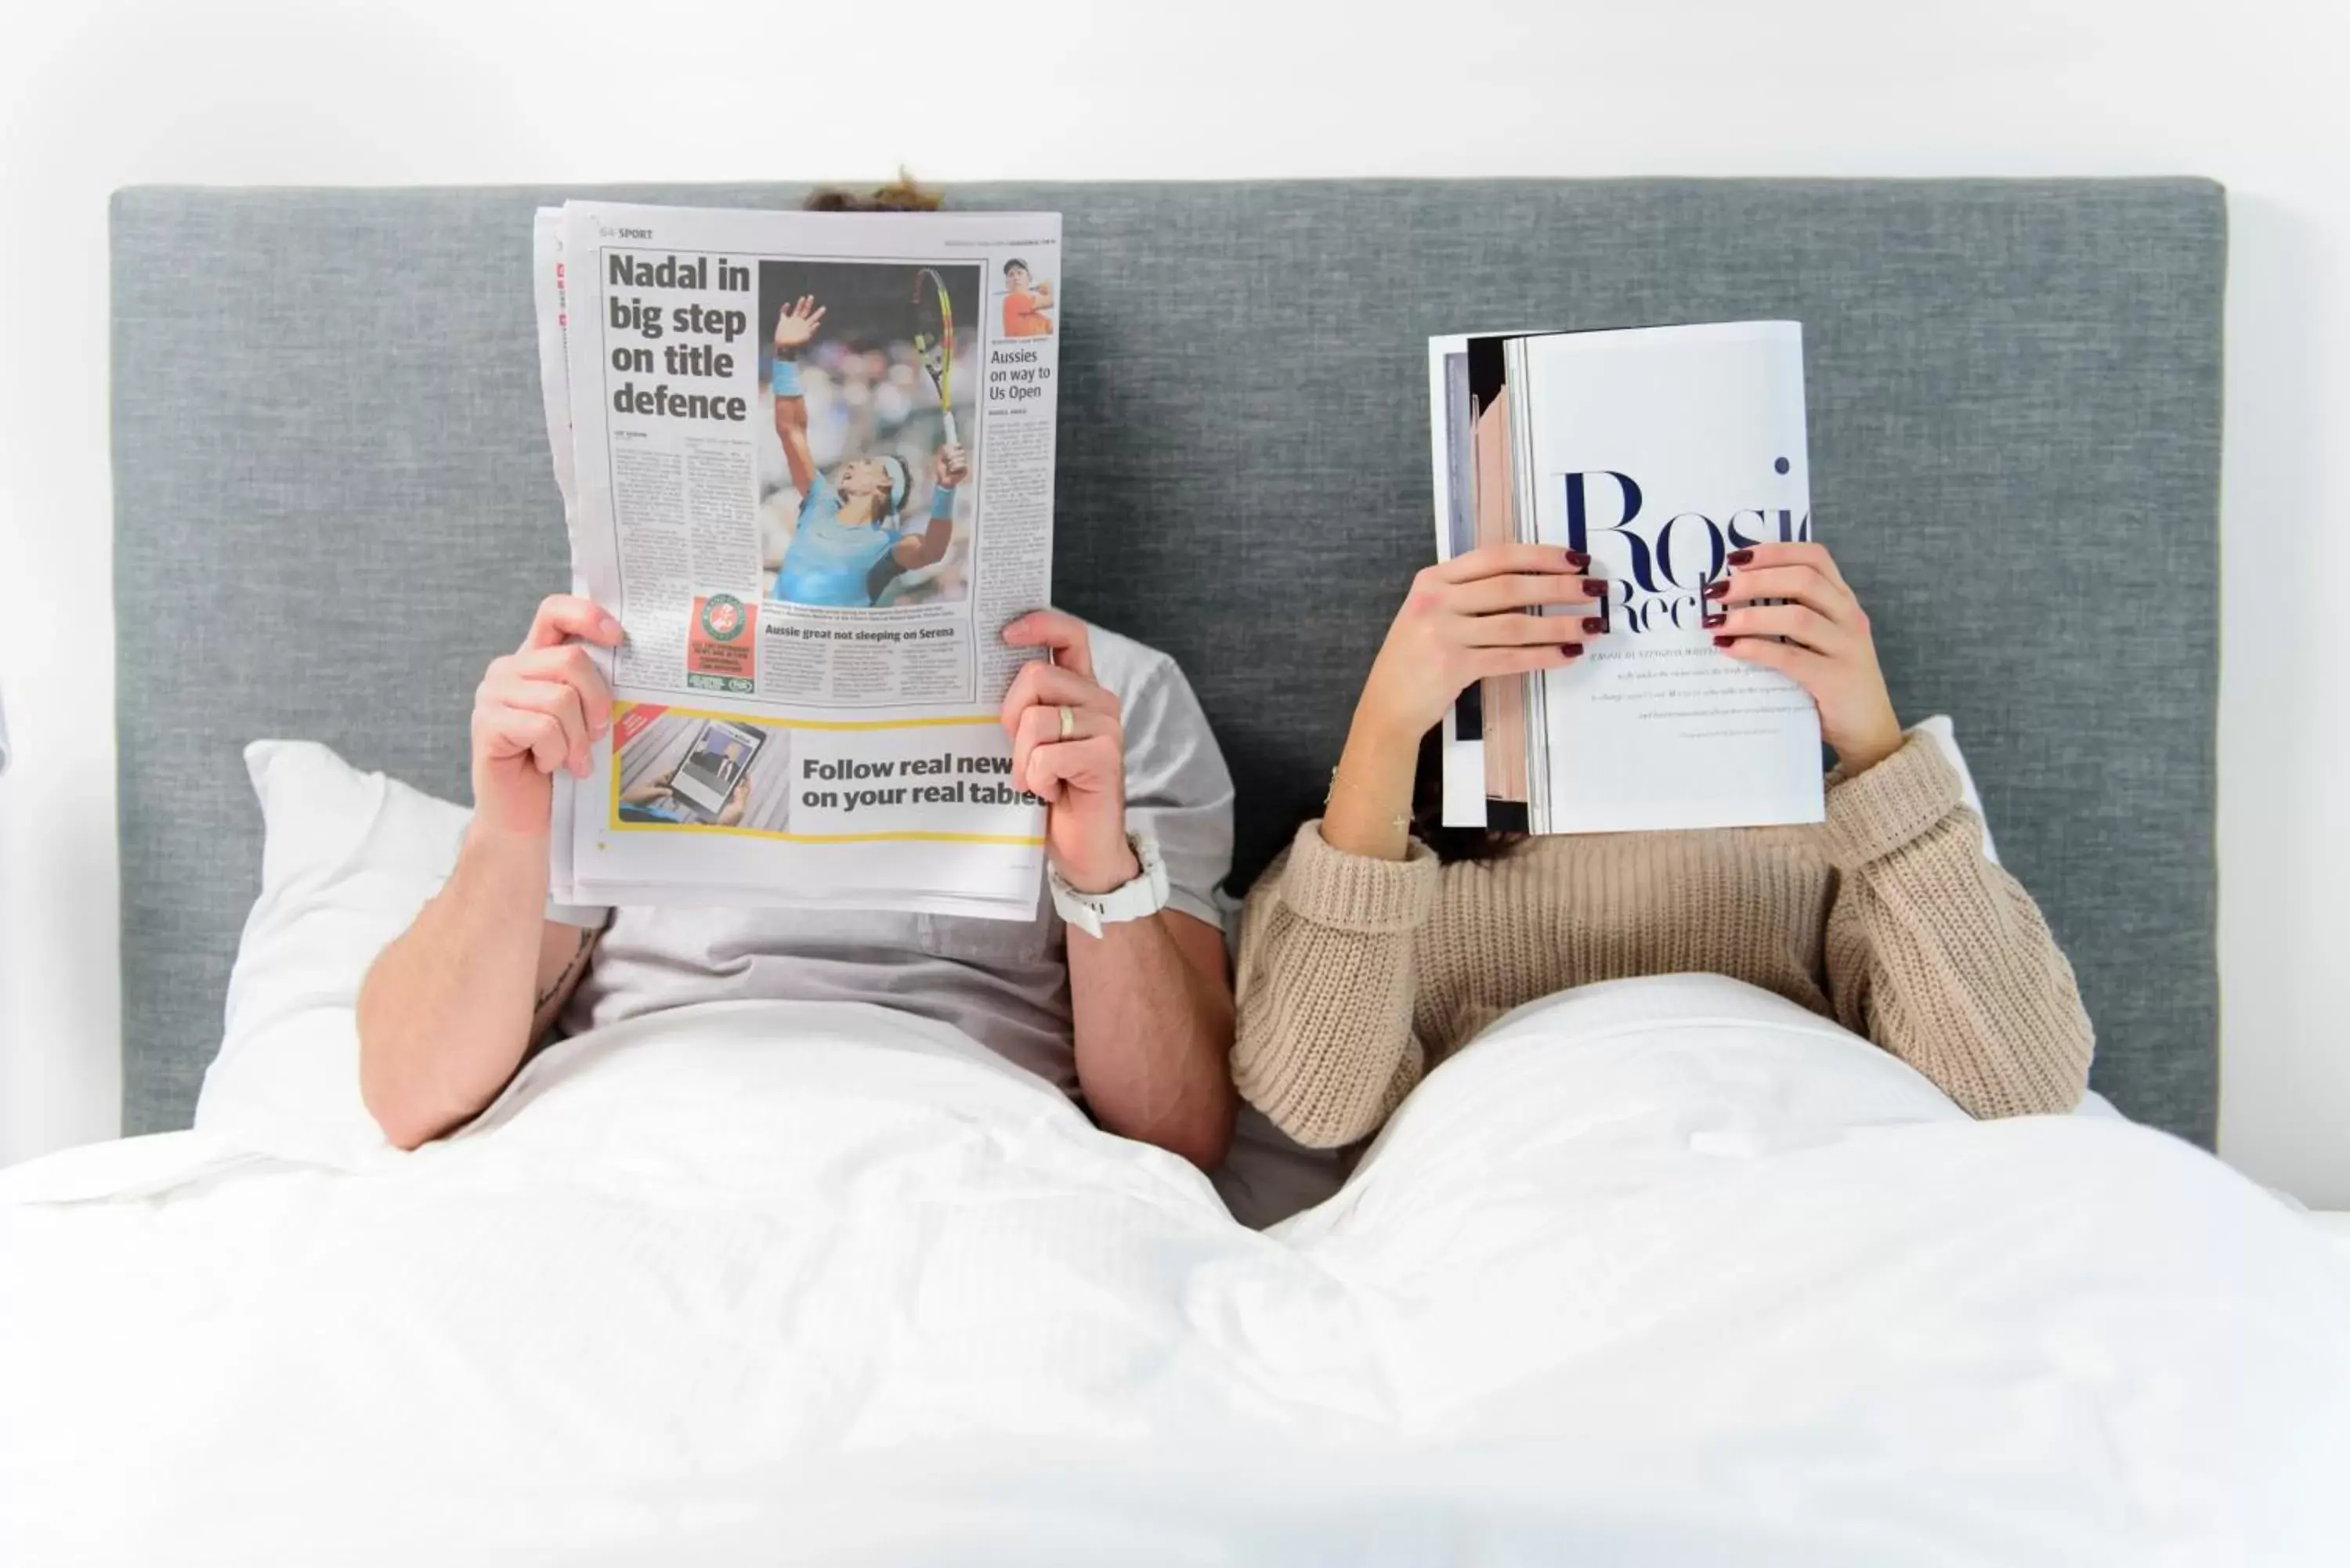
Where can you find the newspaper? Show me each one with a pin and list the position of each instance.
(806, 459)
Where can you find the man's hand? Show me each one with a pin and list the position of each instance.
(950, 465)
(1828, 651)
(539, 708)
(1150, 999)
(1081, 778)
(448, 1011)
(798, 324)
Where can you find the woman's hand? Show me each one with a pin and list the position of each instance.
(1463, 622)
(1827, 652)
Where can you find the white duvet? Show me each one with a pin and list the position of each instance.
(1658, 1272)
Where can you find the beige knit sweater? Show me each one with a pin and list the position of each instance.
(1356, 975)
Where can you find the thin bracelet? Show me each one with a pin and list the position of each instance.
(1400, 824)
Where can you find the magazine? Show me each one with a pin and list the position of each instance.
(1657, 450)
(807, 461)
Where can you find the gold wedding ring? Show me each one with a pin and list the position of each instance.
(1068, 721)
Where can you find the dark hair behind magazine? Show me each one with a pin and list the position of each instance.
(1451, 844)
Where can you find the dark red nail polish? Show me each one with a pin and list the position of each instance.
(1593, 588)
(1723, 641)
(1569, 649)
(1741, 557)
(1721, 620)
(1577, 560)
(1718, 589)
(1595, 624)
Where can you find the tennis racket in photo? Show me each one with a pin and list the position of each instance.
(934, 340)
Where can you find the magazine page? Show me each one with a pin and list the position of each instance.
(1484, 743)
(1658, 451)
(813, 462)
(1451, 429)
(1505, 701)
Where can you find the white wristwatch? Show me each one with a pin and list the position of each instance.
(1143, 896)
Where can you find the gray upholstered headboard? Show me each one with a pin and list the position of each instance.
(333, 500)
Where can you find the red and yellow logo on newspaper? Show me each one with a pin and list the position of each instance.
(720, 652)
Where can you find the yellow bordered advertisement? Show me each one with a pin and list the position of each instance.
(815, 781)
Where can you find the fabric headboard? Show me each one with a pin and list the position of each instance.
(334, 503)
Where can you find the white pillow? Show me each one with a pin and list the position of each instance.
(347, 860)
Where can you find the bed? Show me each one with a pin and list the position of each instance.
(1715, 1284)
(2014, 393)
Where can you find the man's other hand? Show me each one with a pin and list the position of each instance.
(1081, 777)
(540, 709)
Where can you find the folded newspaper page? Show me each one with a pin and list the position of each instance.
(806, 459)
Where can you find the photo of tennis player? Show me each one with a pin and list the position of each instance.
(679, 769)
(1028, 302)
(866, 498)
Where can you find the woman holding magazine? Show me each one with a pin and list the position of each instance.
(1379, 943)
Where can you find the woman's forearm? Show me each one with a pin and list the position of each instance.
(1369, 809)
(1939, 955)
(1328, 983)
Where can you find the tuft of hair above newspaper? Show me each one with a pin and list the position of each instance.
(807, 461)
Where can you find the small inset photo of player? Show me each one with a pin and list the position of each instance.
(1028, 302)
(867, 499)
(679, 769)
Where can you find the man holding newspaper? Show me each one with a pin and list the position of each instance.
(1107, 733)
(1116, 991)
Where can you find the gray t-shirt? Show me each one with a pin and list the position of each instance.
(1003, 982)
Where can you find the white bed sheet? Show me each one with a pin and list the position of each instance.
(1660, 1272)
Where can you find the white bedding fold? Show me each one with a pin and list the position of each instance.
(1647, 1271)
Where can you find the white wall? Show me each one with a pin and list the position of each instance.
(100, 93)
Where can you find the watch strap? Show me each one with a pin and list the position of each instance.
(1144, 896)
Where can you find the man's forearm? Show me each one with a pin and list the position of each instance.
(1154, 1036)
(445, 1016)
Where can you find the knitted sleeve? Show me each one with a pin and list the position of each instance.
(1324, 1045)
(1939, 956)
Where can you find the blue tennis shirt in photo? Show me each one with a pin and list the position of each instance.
(830, 560)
